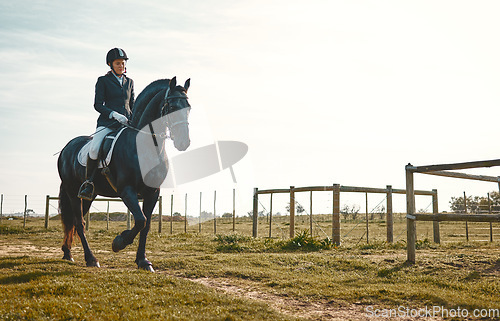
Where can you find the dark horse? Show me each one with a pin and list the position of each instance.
(162, 102)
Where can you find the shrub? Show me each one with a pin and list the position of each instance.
(229, 243)
(305, 242)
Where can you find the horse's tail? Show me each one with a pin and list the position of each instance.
(67, 217)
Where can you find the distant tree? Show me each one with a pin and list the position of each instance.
(207, 215)
(475, 204)
(177, 214)
(380, 210)
(250, 214)
(227, 215)
(495, 201)
(299, 209)
(352, 211)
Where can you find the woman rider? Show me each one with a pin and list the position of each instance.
(114, 100)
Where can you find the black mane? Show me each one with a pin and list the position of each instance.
(145, 97)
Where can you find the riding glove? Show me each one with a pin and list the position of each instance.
(119, 117)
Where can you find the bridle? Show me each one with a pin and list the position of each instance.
(167, 110)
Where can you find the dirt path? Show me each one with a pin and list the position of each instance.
(25, 248)
(286, 305)
(309, 310)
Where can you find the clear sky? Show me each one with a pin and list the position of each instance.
(322, 92)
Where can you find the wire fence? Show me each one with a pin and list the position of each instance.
(200, 218)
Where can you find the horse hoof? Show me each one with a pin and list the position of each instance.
(68, 258)
(118, 244)
(145, 265)
(93, 263)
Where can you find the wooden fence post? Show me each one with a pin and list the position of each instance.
(47, 200)
(336, 214)
(25, 209)
(185, 213)
(234, 210)
(215, 217)
(160, 215)
(367, 238)
(172, 214)
(292, 212)
(87, 224)
(411, 226)
(107, 217)
(311, 214)
(390, 216)
(489, 212)
(435, 211)
(255, 211)
(271, 216)
(466, 223)
(199, 224)
(1, 208)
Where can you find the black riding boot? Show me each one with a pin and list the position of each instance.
(87, 189)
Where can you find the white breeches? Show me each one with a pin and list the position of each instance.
(101, 132)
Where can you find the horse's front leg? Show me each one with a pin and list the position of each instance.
(129, 197)
(148, 205)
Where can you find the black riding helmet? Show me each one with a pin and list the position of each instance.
(113, 54)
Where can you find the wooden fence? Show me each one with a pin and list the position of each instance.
(443, 170)
(160, 211)
(336, 189)
(48, 198)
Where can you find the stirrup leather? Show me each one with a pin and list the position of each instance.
(84, 187)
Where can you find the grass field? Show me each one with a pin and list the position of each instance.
(231, 276)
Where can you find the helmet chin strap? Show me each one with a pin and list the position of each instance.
(113, 70)
(117, 75)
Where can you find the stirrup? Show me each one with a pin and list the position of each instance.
(83, 188)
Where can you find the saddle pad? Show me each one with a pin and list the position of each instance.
(84, 152)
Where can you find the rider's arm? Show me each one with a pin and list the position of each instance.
(100, 93)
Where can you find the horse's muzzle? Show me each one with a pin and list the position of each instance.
(182, 145)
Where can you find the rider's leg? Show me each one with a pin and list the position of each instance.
(87, 188)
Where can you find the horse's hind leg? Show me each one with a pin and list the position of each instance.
(68, 220)
(80, 207)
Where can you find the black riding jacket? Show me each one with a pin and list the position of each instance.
(111, 96)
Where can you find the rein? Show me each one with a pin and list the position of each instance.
(162, 135)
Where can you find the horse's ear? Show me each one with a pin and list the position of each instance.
(173, 83)
(186, 85)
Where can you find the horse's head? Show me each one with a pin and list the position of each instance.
(176, 110)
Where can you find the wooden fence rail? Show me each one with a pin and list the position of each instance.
(443, 170)
(336, 189)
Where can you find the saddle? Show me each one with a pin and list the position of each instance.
(105, 154)
(105, 151)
